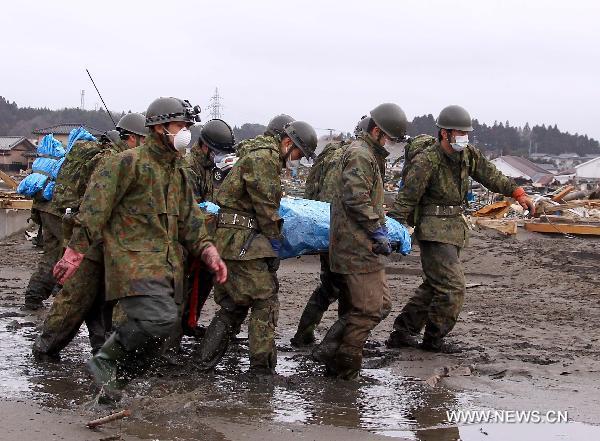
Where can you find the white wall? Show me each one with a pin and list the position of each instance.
(590, 169)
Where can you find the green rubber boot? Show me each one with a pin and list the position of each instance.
(104, 366)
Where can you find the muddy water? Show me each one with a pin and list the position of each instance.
(179, 397)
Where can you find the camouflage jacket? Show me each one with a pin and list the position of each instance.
(321, 181)
(252, 188)
(357, 208)
(438, 178)
(200, 172)
(141, 204)
(74, 175)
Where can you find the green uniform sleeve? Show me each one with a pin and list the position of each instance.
(108, 185)
(486, 173)
(414, 185)
(192, 221)
(263, 184)
(357, 181)
(311, 188)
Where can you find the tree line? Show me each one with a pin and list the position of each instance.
(501, 138)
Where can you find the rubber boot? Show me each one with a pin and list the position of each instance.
(311, 317)
(400, 338)
(104, 365)
(215, 342)
(348, 365)
(325, 352)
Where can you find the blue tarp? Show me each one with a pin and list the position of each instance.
(47, 166)
(49, 151)
(306, 227)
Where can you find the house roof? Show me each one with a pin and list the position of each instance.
(588, 162)
(65, 129)
(9, 142)
(523, 165)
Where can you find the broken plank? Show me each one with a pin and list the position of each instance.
(16, 204)
(562, 228)
(496, 210)
(562, 193)
(504, 226)
(8, 180)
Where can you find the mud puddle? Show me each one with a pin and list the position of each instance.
(179, 403)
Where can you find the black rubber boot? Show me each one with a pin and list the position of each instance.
(311, 317)
(348, 365)
(215, 342)
(402, 339)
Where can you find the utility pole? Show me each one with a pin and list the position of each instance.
(82, 103)
(215, 105)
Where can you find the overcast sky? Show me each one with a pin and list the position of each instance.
(321, 61)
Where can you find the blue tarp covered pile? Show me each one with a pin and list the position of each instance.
(51, 156)
(306, 227)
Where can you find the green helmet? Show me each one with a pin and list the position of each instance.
(111, 136)
(303, 136)
(455, 118)
(391, 119)
(277, 123)
(218, 136)
(133, 123)
(362, 125)
(168, 109)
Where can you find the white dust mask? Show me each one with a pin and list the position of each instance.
(460, 142)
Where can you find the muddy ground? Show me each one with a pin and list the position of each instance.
(529, 326)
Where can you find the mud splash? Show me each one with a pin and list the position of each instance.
(176, 398)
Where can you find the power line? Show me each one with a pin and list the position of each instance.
(215, 105)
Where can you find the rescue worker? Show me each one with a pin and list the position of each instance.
(432, 199)
(141, 204)
(321, 186)
(249, 239)
(82, 297)
(209, 142)
(357, 239)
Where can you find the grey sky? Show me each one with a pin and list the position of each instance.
(322, 61)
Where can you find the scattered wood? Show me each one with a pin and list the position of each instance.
(8, 180)
(563, 228)
(16, 204)
(497, 210)
(562, 193)
(107, 419)
(504, 226)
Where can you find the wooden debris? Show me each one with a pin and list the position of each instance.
(497, 210)
(448, 371)
(8, 180)
(107, 419)
(562, 193)
(563, 228)
(16, 204)
(504, 226)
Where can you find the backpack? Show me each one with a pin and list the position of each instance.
(413, 147)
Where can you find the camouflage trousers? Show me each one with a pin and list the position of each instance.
(80, 300)
(42, 281)
(437, 302)
(250, 287)
(327, 293)
(365, 300)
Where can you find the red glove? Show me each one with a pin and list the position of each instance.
(210, 257)
(525, 201)
(66, 267)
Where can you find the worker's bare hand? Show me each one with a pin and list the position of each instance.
(210, 257)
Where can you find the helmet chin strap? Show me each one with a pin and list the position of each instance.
(164, 137)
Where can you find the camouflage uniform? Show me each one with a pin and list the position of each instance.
(320, 186)
(249, 198)
(42, 281)
(432, 198)
(356, 212)
(200, 167)
(82, 297)
(140, 203)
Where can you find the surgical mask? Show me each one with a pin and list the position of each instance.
(292, 163)
(182, 139)
(460, 142)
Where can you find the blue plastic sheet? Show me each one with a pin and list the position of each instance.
(306, 227)
(47, 166)
(49, 151)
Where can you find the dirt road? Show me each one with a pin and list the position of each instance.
(529, 326)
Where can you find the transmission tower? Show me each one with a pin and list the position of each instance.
(215, 105)
(82, 103)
